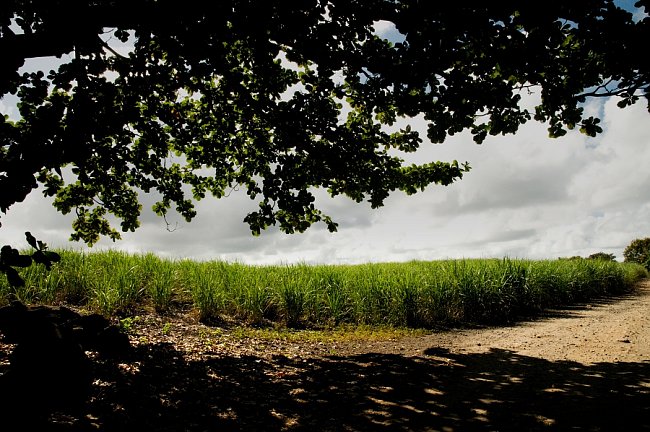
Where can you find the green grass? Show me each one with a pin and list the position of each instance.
(415, 294)
(337, 334)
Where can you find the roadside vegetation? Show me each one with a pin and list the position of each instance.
(416, 294)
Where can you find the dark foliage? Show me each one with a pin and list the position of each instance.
(602, 256)
(11, 258)
(639, 252)
(279, 98)
(49, 369)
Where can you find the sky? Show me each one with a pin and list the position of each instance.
(527, 196)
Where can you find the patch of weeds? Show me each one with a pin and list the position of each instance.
(127, 324)
(338, 334)
(374, 333)
(166, 328)
(207, 336)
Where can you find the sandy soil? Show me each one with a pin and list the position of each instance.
(607, 330)
(580, 368)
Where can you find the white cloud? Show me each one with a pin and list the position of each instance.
(8, 107)
(387, 30)
(526, 196)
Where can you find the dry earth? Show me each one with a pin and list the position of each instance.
(607, 330)
(582, 368)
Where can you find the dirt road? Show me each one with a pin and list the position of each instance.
(610, 330)
(584, 368)
(581, 368)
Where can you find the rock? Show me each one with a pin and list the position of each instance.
(49, 369)
(96, 333)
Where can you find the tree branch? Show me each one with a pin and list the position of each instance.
(610, 93)
(108, 48)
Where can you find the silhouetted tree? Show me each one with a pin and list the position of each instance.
(638, 252)
(280, 97)
(602, 256)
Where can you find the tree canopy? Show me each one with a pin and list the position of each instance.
(280, 98)
(638, 252)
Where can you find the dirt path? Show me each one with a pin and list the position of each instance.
(614, 330)
(584, 368)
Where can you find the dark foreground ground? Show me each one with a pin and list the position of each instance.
(183, 376)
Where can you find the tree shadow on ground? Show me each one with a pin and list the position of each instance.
(498, 390)
(572, 309)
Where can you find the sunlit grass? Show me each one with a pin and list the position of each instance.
(335, 334)
(417, 294)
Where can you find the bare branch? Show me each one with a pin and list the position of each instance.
(168, 225)
(108, 48)
(609, 93)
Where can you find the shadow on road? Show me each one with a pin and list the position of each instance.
(497, 390)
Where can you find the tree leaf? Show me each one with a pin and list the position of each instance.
(13, 277)
(31, 240)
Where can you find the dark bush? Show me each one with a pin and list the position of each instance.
(602, 256)
(49, 370)
(638, 252)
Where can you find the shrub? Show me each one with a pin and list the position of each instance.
(602, 256)
(638, 252)
(571, 258)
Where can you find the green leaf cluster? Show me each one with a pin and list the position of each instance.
(282, 98)
(638, 252)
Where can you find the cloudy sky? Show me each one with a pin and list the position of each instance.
(527, 196)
